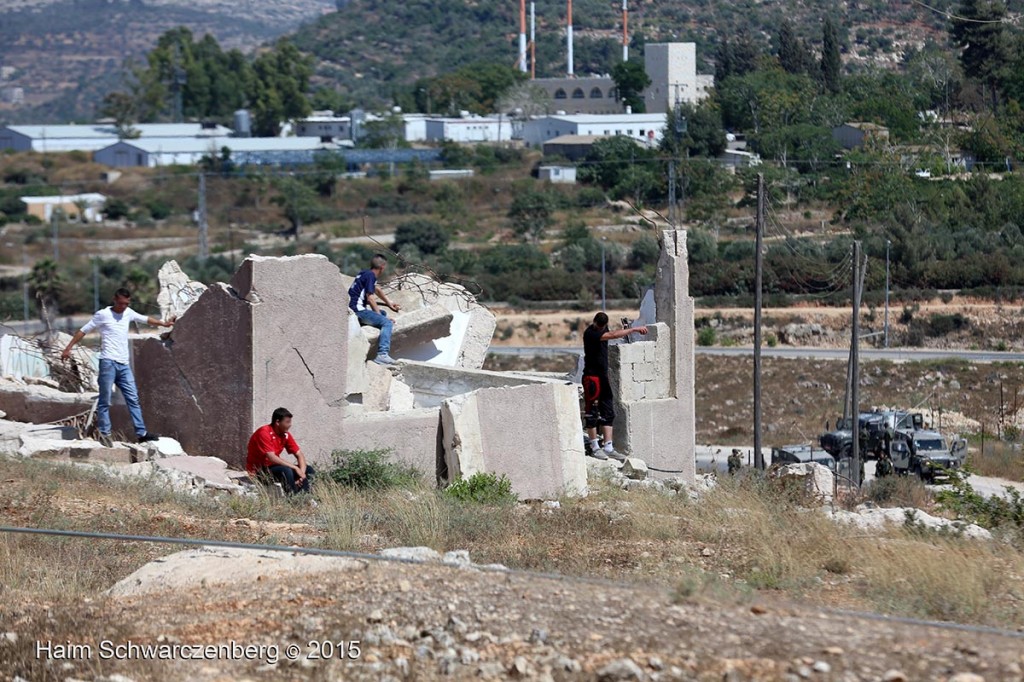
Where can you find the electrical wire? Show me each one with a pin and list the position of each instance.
(956, 17)
(559, 577)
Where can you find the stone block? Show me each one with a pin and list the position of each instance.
(650, 430)
(41, 404)
(816, 480)
(205, 470)
(634, 468)
(412, 330)
(472, 324)
(644, 371)
(377, 393)
(412, 437)
(529, 433)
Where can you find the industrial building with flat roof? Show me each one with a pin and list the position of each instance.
(91, 137)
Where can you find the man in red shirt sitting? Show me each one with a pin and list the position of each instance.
(264, 460)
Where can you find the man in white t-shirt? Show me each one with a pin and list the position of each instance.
(113, 323)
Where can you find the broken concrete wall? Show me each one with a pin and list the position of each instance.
(414, 332)
(275, 337)
(472, 325)
(653, 377)
(300, 344)
(529, 433)
(197, 386)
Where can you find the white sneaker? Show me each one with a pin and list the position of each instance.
(596, 453)
(384, 360)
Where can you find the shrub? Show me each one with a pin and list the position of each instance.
(989, 512)
(706, 336)
(370, 469)
(941, 325)
(426, 235)
(159, 209)
(483, 488)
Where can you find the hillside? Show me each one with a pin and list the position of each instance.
(369, 43)
(66, 54)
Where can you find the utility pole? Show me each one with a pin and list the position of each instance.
(204, 248)
(56, 244)
(855, 368)
(95, 284)
(887, 245)
(604, 301)
(758, 269)
(672, 193)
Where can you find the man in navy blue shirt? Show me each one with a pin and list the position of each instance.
(362, 300)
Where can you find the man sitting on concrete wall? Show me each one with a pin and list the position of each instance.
(263, 459)
(113, 323)
(600, 403)
(362, 300)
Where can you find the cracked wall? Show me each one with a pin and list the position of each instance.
(653, 377)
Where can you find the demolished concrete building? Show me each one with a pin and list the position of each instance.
(279, 334)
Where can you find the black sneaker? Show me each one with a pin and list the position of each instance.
(148, 437)
(105, 441)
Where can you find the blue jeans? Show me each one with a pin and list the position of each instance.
(115, 373)
(381, 322)
(286, 477)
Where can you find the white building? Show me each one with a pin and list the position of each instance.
(325, 125)
(672, 68)
(86, 208)
(646, 128)
(150, 153)
(469, 129)
(560, 175)
(89, 138)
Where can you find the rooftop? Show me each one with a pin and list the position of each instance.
(106, 130)
(91, 198)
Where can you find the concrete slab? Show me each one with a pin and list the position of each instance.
(529, 433)
(207, 469)
(200, 568)
(432, 384)
(472, 327)
(412, 331)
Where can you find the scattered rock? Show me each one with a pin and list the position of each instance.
(822, 667)
(707, 551)
(375, 616)
(634, 468)
(869, 518)
(758, 610)
(458, 557)
(520, 667)
(622, 669)
(966, 677)
(894, 676)
(417, 554)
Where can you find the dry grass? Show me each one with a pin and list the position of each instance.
(1000, 459)
(741, 537)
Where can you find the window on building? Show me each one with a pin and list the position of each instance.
(642, 132)
(596, 93)
(578, 94)
(607, 132)
(629, 132)
(618, 132)
(560, 94)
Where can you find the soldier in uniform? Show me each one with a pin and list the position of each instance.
(735, 461)
(884, 466)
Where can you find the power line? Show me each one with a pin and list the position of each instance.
(559, 577)
(957, 17)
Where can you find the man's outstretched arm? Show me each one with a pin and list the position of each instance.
(79, 335)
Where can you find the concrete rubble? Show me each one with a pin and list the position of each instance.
(177, 291)
(280, 334)
(817, 480)
(877, 518)
(37, 361)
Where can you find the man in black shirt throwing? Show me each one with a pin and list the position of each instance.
(600, 404)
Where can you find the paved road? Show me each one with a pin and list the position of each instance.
(895, 355)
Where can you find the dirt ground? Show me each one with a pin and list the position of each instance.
(432, 622)
(987, 325)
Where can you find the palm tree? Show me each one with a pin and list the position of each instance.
(47, 285)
